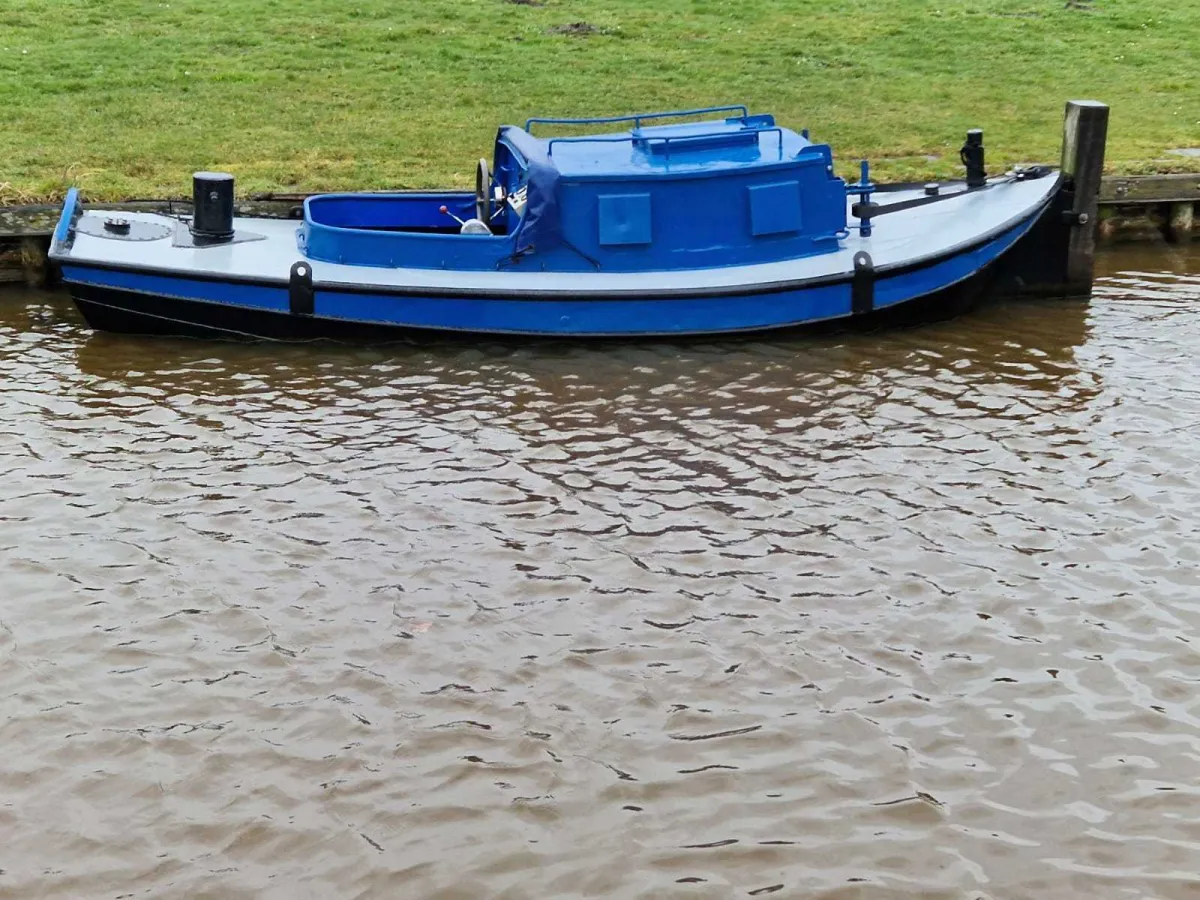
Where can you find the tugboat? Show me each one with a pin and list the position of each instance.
(689, 222)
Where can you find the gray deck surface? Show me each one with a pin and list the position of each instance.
(898, 239)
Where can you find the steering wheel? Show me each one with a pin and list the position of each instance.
(483, 187)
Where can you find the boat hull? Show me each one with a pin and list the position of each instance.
(130, 312)
(120, 300)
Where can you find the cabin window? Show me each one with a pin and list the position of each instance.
(775, 208)
(624, 219)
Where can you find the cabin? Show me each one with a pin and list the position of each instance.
(659, 196)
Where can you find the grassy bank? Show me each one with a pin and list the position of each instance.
(126, 97)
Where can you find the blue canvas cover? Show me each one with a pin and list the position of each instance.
(540, 226)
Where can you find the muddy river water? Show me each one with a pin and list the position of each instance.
(869, 616)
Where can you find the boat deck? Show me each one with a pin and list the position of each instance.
(900, 240)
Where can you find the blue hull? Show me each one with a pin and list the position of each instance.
(132, 301)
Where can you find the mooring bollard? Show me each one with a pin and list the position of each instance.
(1085, 132)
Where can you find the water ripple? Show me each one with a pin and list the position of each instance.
(870, 615)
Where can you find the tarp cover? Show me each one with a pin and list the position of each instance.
(540, 226)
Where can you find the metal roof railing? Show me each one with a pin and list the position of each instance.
(696, 140)
(638, 119)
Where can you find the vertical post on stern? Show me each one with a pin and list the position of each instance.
(1085, 132)
(864, 189)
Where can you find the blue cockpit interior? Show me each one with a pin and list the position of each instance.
(729, 189)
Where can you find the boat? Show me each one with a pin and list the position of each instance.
(687, 222)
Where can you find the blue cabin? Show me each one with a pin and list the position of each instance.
(660, 196)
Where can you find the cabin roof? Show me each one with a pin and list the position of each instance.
(709, 146)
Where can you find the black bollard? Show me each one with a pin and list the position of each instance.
(972, 157)
(212, 198)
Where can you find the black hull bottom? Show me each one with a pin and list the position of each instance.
(128, 312)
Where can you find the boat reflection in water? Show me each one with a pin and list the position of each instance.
(1011, 346)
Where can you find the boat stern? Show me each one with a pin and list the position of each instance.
(1057, 258)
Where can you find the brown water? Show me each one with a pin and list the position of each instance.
(911, 614)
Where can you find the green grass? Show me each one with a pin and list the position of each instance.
(125, 98)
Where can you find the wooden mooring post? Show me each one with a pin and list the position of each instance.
(1085, 135)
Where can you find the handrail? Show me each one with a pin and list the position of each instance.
(587, 139)
(63, 230)
(665, 138)
(637, 119)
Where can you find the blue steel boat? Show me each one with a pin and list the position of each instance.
(691, 222)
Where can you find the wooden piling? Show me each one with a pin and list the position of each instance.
(10, 264)
(1181, 222)
(33, 261)
(1085, 133)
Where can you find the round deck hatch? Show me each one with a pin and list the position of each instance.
(117, 229)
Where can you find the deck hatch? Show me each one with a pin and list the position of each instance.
(624, 219)
(775, 208)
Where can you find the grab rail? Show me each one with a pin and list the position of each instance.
(63, 230)
(637, 119)
(664, 138)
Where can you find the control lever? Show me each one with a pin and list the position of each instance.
(444, 210)
(501, 202)
(470, 226)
